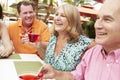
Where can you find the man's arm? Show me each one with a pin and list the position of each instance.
(50, 73)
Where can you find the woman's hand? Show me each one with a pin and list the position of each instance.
(4, 52)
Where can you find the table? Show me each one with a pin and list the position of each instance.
(13, 66)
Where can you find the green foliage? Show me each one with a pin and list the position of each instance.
(89, 29)
(69, 1)
(75, 2)
(45, 1)
(81, 2)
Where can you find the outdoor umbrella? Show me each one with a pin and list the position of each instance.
(87, 11)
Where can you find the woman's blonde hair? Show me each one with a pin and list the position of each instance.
(74, 28)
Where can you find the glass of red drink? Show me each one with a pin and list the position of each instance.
(33, 37)
(29, 77)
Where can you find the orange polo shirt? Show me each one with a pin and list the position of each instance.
(15, 29)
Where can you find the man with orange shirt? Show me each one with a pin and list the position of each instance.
(27, 24)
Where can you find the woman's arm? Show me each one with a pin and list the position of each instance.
(41, 47)
(8, 48)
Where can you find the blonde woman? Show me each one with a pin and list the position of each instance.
(67, 42)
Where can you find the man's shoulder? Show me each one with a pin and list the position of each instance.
(93, 52)
(13, 24)
(97, 47)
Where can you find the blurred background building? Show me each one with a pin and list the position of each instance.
(45, 11)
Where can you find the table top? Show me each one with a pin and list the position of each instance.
(17, 64)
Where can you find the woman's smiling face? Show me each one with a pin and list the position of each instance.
(60, 20)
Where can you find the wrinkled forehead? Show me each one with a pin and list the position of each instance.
(110, 7)
(112, 4)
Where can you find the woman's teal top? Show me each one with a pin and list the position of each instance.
(69, 56)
